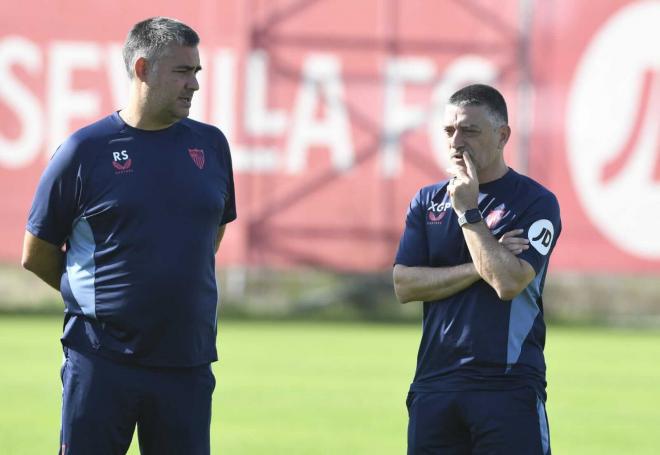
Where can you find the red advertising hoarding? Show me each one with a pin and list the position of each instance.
(333, 111)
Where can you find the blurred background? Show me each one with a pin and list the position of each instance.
(333, 111)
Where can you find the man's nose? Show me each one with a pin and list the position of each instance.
(456, 140)
(193, 83)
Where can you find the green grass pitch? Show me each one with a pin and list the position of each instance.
(339, 388)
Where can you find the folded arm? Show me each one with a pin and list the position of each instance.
(432, 283)
(496, 263)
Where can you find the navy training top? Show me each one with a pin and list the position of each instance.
(139, 211)
(472, 340)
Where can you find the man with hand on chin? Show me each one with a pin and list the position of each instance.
(475, 250)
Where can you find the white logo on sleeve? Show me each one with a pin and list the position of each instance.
(540, 235)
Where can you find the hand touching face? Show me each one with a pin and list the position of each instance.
(472, 130)
(463, 188)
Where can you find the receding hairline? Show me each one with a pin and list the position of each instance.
(154, 37)
(482, 95)
(495, 119)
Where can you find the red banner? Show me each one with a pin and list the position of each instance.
(334, 113)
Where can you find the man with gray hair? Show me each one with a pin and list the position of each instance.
(475, 250)
(125, 223)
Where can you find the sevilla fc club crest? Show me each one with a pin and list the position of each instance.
(197, 156)
(494, 217)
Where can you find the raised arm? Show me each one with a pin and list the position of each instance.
(493, 261)
(43, 259)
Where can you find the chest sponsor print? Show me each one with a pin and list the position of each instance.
(436, 217)
(122, 162)
(436, 212)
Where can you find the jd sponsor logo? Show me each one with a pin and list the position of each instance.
(613, 129)
(540, 235)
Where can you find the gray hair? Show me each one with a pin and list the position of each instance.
(483, 95)
(151, 37)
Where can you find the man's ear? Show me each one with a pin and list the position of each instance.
(505, 133)
(141, 68)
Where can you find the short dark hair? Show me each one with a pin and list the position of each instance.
(482, 95)
(150, 37)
